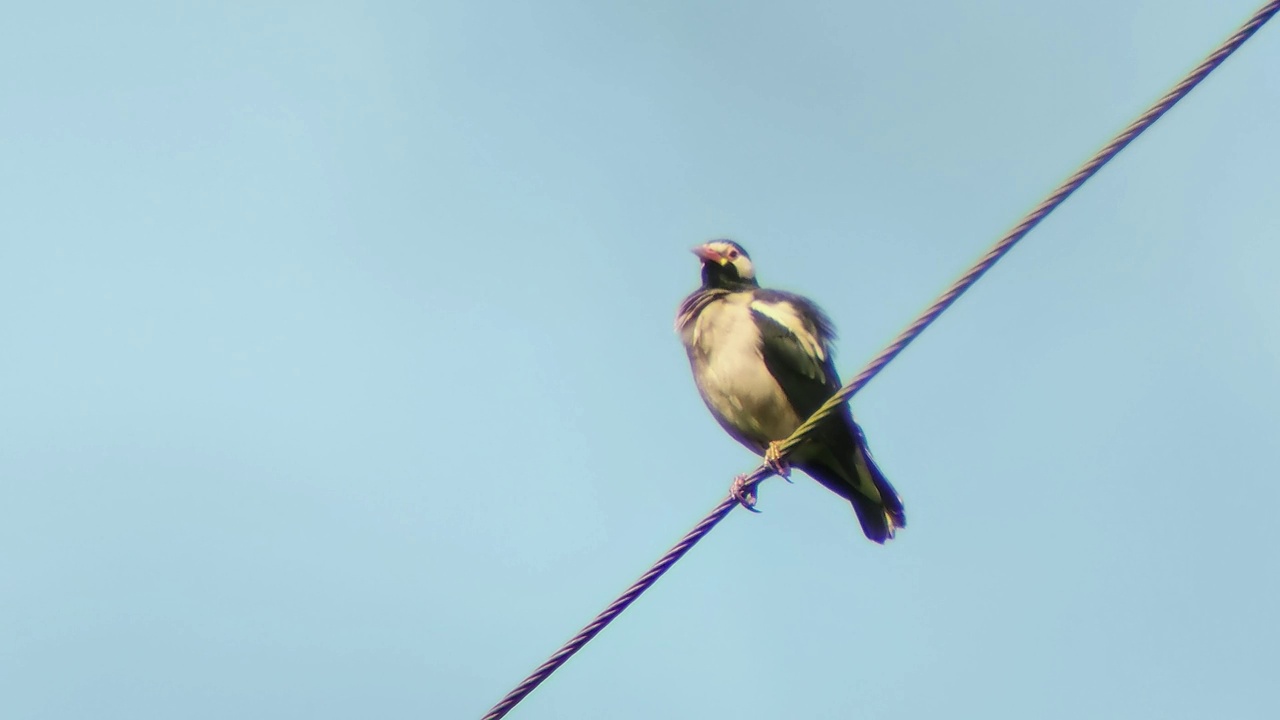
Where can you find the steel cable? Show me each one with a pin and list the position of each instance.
(944, 301)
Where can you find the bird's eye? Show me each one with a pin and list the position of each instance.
(733, 254)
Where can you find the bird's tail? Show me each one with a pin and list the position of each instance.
(856, 478)
(880, 517)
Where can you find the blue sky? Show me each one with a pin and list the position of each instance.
(339, 377)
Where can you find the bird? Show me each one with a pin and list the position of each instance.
(762, 361)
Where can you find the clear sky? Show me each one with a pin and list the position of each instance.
(338, 376)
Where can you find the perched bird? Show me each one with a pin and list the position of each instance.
(762, 361)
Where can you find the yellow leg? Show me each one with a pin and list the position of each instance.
(773, 458)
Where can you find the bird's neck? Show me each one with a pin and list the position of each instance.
(720, 282)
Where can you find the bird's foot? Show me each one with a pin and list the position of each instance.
(743, 493)
(773, 458)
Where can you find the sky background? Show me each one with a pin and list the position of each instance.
(338, 376)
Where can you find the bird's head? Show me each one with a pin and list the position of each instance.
(725, 264)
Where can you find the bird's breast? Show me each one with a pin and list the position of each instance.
(723, 343)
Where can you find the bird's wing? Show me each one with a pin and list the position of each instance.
(795, 340)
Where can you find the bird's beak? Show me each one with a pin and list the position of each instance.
(710, 255)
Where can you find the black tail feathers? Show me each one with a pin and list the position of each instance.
(876, 503)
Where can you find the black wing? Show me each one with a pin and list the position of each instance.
(795, 340)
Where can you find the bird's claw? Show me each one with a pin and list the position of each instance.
(773, 458)
(743, 493)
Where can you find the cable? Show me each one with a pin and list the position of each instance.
(944, 301)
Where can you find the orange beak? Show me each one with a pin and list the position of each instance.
(709, 255)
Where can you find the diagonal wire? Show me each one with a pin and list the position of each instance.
(944, 301)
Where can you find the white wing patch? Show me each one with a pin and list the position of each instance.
(784, 313)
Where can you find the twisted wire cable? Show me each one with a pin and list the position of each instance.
(944, 301)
